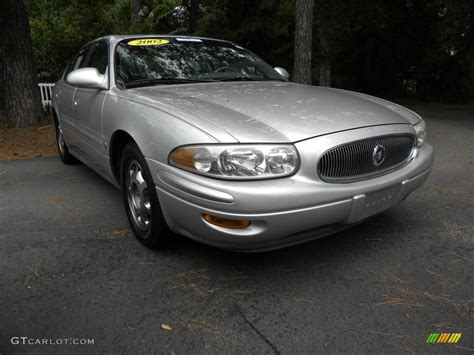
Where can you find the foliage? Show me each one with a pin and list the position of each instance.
(422, 48)
(60, 27)
(264, 26)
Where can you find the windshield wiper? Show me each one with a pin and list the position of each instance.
(246, 78)
(239, 78)
(164, 81)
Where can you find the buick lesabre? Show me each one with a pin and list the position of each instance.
(206, 140)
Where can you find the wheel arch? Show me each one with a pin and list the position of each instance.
(55, 116)
(118, 141)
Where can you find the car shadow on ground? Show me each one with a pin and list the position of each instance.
(360, 240)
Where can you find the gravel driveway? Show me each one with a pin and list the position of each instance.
(70, 269)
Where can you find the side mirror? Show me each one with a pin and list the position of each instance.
(86, 78)
(283, 73)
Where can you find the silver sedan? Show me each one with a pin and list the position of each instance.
(206, 140)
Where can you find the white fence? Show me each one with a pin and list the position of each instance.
(46, 90)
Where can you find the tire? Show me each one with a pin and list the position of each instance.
(63, 150)
(141, 200)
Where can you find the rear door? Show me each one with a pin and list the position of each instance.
(87, 107)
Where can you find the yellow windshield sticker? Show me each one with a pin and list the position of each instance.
(148, 42)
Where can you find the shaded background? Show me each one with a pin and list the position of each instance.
(421, 49)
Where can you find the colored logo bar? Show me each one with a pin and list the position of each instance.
(442, 338)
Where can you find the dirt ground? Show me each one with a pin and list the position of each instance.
(27, 142)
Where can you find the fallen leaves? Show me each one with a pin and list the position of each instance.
(120, 232)
(194, 280)
(399, 302)
(199, 325)
(57, 200)
(27, 142)
(33, 272)
(116, 233)
(166, 327)
(390, 277)
(199, 282)
(402, 293)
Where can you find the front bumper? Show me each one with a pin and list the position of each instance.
(283, 211)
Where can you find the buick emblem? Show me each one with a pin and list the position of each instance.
(378, 155)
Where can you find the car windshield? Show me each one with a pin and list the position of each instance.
(157, 61)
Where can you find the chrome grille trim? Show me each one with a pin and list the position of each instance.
(352, 161)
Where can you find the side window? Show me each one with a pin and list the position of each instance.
(98, 57)
(77, 62)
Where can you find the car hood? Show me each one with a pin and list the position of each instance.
(270, 111)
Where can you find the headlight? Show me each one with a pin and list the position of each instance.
(420, 129)
(237, 161)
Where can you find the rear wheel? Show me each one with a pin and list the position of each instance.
(63, 150)
(141, 200)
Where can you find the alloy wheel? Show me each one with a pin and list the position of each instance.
(137, 196)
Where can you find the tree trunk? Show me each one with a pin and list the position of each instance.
(136, 7)
(325, 72)
(21, 92)
(193, 15)
(324, 38)
(303, 41)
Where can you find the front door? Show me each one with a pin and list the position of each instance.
(87, 107)
(64, 94)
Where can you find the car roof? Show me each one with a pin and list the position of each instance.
(117, 38)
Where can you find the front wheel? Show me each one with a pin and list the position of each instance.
(141, 200)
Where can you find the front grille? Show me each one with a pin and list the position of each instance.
(356, 161)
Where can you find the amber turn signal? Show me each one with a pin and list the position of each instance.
(184, 158)
(226, 223)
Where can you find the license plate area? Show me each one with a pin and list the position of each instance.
(380, 200)
(369, 204)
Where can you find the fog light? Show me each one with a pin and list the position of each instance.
(225, 222)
